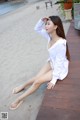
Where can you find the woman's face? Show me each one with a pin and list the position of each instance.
(50, 27)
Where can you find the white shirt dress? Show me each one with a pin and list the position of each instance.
(57, 54)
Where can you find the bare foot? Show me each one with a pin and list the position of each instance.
(16, 104)
(18, 89)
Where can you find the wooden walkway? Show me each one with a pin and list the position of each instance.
(63, 103)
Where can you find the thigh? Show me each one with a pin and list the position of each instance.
(44, 69)
(45, 77)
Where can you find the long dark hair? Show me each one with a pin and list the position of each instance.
(60, 31)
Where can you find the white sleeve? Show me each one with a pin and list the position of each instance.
(58, 66)
(40, 29)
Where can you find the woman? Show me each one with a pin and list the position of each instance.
(56, 67)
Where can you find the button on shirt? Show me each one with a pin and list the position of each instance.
(57, 54)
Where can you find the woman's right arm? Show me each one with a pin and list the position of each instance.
(40, 29)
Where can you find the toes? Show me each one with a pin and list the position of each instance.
(17, 90)
(15, 105)
(14, 91)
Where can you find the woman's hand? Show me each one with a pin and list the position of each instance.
(50, 85)
(45, 19)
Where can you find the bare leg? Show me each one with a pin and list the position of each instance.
(44, 78)
(44, 70)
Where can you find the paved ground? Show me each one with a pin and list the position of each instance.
(22, 53)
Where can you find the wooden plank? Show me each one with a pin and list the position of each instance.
(49, 113)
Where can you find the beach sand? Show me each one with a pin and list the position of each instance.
(22, 53)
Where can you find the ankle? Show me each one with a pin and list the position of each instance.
(19, 99)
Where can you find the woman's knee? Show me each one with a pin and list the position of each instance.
(37, 82)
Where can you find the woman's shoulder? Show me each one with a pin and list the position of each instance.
(61, 41)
